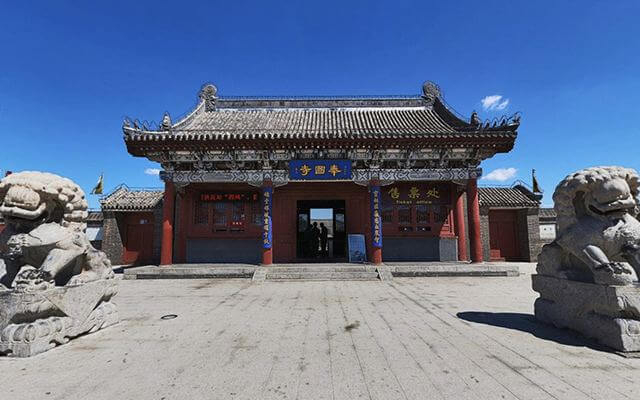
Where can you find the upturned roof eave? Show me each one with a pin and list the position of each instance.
(500, 144)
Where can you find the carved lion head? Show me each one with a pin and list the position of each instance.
(600, 192)
(30, 198)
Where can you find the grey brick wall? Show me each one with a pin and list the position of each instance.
(484, 232)
(533, 229)
(113, 226)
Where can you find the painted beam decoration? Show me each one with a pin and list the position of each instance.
(320, 170)
(376, 218)
(267, 208)
(342, 171)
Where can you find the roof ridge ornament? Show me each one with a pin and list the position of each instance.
(430, 92)
(166, 121)
(207, 95)
(475, 119)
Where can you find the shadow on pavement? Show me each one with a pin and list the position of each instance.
(528, 323)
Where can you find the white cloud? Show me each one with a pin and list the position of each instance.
(500, 174)
(152, 171)
(494, 102)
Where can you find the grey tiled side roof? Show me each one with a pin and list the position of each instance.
(125, 199)
(548, 213)
(505, 197)
(94, 216)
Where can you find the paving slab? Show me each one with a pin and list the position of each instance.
(417, 338)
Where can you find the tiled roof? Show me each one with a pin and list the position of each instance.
(95, 216)
(547, 213)
(505, 197)
(125, 199)
(345, 123)
(334, 118)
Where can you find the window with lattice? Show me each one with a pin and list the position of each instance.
(201, 213)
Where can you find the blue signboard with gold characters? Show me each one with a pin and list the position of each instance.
(320, 170)
(267, 210)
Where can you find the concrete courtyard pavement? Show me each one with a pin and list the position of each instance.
(416, 338)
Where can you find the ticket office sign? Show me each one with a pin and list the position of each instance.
(320, 170)
(418, 193)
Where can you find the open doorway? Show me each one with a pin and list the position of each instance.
(321, 233)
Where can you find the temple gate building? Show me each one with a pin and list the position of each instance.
(244, 176)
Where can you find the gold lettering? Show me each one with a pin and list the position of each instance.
(334, 170)
(433, 192)
(304, 170)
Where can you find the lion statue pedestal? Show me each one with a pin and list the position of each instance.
(54, 285)
(588, 277)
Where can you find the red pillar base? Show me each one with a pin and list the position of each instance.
(377, 256)
(267, 257)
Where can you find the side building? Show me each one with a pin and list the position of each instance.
(548, 225)
(131, 228)
(509, 217)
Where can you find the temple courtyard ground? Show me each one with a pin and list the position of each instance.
(415, 338)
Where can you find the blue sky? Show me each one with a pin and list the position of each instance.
(71, 70)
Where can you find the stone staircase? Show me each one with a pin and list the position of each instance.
(310, 272)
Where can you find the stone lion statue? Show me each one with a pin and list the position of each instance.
(44, 243)
(598, 237)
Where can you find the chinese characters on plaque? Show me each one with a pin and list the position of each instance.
(330, 170)
(408, 194)
(212, 197)
(376, 219)
(267, 206)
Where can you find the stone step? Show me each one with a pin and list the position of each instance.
(306, 268)
(321, 276)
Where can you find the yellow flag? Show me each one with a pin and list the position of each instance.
(536, 186)
(99, 185)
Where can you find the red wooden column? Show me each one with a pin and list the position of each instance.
(184, 207)
(474, 221)
(267, 228)
(376, 222)
(460, 229)
(166, 253)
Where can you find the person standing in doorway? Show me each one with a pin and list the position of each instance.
(324, 237)
(315, 240)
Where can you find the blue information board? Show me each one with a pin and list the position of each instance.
(320, 170)
(357, 249)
